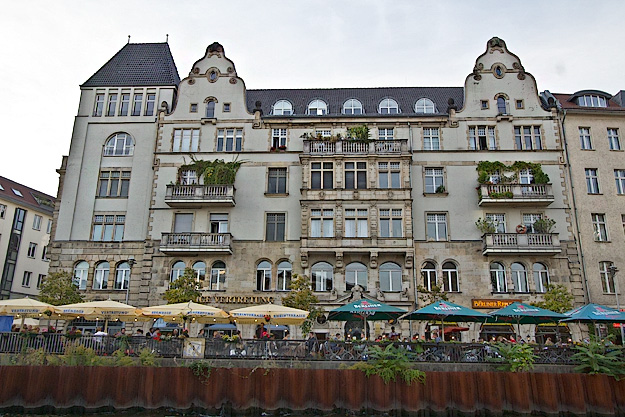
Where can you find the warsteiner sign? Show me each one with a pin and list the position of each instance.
(491, 304)
(234, 299)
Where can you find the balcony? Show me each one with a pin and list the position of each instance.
(196, 195)
(537, 195)
(519, 244)
(349, 147)
(190, 243)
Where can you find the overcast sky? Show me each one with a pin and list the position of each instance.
(49, 48)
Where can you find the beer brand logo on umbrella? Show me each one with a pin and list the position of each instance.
(365, 307)
(446, 307)
(600, 311)
(524, 309)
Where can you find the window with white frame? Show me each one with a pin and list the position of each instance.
(615, 143)
(450, 277)
(275, 227)
(592, 181)
(263, 276)
(37, 222)
(188, 177)
(591, 100)
(434, 180)
(498, 277)
(317, 108)
(49, 228)
(285, 270)
(391, 223)
(355, 175)
(218, 276)
(231, 138)
(541, 277)
(529, 219)
(356, 222)
(137, 104)
(3, 210)
(599, 227)
(122, 276)
(32, 250)
(218, 223)
(425, 105)
(352, 106)
(101, 276)
(276, 181)
(528, 137)
(278, 138)
(99, 105)
(114, 183)
(388, 106)
(519, 277)
(584, 138)
(482, 138)
(431, 139)
(177, 270)
(323, 133)
(322, 277)
(619, 177)
(498, 220)
(321, 223)
(186, 140)
(436, 226)
(321, 175)
(199, 270)
(428, 273)
(386, 133)
(81, 272)
(356, 274)
(607, 279)
(108, 228)
(282, 108)
(390, 277)
(26, 278)
(389, 174)
(120, 144)
(111, 105)
(149, 104)
(124, 104)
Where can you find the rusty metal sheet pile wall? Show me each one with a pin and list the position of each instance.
(304, 389)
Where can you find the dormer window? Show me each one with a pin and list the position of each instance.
(425, 105)
(388, 106)
(282, 108)
(591, 100)
(317, 108)
(352, 106)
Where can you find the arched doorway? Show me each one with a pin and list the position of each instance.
(355, 328)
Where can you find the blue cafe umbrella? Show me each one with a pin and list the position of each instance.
(445, 311)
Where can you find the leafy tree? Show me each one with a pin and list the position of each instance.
(431, 296)
(183, 289)
(301, 296)
(557, 298)
(59, 288)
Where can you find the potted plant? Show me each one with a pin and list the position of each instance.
(544, 225)
(282, 147)
(485, 226)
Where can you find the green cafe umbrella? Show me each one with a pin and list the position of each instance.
(365, 310)
(520, 313)
(592, 313)
(445, 311)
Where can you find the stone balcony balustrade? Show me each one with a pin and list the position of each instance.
(195, 243)
(521, 243)
(538, 195)
(196, 195)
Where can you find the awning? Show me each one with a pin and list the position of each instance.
(218, 327)
(452, 329)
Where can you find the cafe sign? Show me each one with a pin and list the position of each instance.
(234, 299)
(491, 304)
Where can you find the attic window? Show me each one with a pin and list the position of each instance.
(1, 187)
(590, 100)
(282, 108)
(17, 192)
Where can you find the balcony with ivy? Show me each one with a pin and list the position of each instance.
(519, 184)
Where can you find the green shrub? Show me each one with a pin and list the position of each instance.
(121, 359)
(147, 357)
(390, 362)
(201, 369)
(516, 357)
(597, 358)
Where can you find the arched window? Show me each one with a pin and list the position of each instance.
(388, 106)
(498, 277)
(177, 270)
(282, 108)
(122, 276)
(199, 269)
(120, 144)
(425, 105)
(101, 276)
(263, 276)
(352, 106)
(322, 276)
(356, 274)
(519, 277)
(284, 276)
(390, 277)
(501, 105)
(317, 108)
(210, 109)
(428, 272)
(218, 276)
(81, 271)
(541, 277)
(450, 277)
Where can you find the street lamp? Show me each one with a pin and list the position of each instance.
(612, 270)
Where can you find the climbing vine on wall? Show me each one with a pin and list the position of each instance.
(510, 173)
(213, 172)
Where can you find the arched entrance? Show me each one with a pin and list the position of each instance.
(355, 328)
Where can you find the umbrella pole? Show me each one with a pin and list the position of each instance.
(518, 329)
(106, 325)
(22, 322)
(442, 329)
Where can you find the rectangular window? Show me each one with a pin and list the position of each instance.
(519, 104)
(276, 183)
(482, 138)
(356, 223)
(434, 180)
(528, 137)
(278, 138)
(219, 223)
(137, 103)
(37, 222)
(321, 175)
(607, 279)
(183, 222)
(193, 108)
(114, 184)
(226, 107)
(499, 220)
(323, 133)
(275, 227)
(431, 139)
(484, 104)
(149, 104)
(389, 174)
(44, 253)
(32, 250)
(385, 134)
(436, 226)
(529, 219)
(40, 279)
(188, 177)
(592, 181)
(3, 210)
(615, 143)
(391, 223)
(124, 105)
(112, 104)
(584, 138)
(26, 279)
(49, 229)
(619, 177)
(321, 223)
(231, 138)
(108, 228)
(186, 140)
(99, 105)
(355, 175)
(599, 226)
